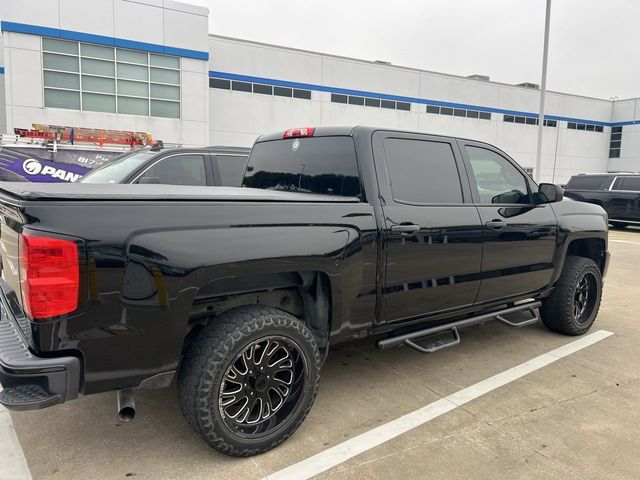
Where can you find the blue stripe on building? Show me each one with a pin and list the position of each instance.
(1, 70)
(101, 40)
(400, 98)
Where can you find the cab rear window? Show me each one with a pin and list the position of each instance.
(321, 165)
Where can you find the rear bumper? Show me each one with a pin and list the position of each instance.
(31, 382)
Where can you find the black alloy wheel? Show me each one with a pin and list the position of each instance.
(262, 386)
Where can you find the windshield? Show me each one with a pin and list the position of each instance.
(324, 165)
(118, 169)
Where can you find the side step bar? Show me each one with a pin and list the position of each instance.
(408, 338)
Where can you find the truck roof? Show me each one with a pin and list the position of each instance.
(346, 131)
(24, 191)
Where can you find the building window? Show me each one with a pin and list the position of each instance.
(220, 83)
(283, 91)
(263, 89)
(458, 112)
(370, 102)
(304, 94)
(83, 76)
(260, 88)
(616, 142)
(241, 86)
(337, 98)
(585, 126)
(528, 120)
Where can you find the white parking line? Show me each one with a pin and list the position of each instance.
(624, 241)
(346, 450)
(13, 465)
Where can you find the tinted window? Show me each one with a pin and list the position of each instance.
(306, 94)
(631, 183)
(179, 170)
(241, 86)
(337, 98)
(472, 114)
(356, 100)
(433, 109)
(388, 104)
(264, 89)
(220, 83)
(497, 179)
(282, 91)
(403, 106)
(372, 102)
(231, 168)
(422, 171)
(588, 182)
(446, 111)
(459, 113)
(324, 165)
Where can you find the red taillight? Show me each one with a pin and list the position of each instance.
(49, 276)
(299, 132)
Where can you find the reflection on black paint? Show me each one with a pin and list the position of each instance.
(328, 184)
(457, 279)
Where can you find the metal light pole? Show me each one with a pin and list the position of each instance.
(543, 90)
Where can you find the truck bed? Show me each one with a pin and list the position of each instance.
(79, 191)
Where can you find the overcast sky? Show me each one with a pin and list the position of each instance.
(594, 48)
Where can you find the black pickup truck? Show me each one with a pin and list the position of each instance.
(617, 193)
(237, 293)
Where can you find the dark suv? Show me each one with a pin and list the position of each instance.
(205, 166)
(617, 193)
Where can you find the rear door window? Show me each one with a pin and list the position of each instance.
(422, 171)
(179, 170)
(322, 165)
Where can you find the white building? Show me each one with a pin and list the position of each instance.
(151, 65)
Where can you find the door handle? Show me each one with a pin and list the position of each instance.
(496, 224)
(406, 230)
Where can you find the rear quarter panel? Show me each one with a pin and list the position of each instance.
(144, 275)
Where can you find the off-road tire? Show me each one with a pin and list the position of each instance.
(557, 311)
(211, 354)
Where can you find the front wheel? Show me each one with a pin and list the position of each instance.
(249, 379)
(573, 304)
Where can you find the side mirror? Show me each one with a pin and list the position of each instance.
(550, 193)
(154, 180)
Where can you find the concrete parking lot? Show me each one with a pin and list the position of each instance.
(576, 418)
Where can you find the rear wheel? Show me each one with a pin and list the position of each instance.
(573, 305)
(249, 379)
